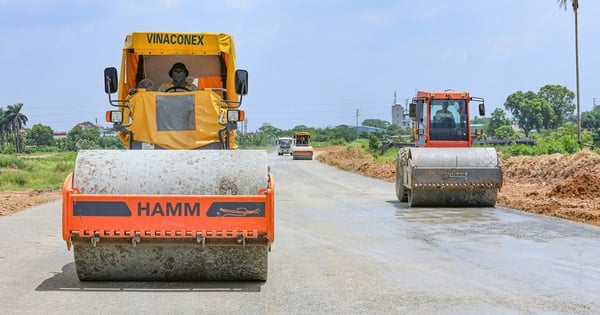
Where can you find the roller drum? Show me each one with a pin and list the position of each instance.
(170, 172)
(454, 177)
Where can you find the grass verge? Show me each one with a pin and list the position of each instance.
(37, 171)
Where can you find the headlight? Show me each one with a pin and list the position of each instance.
(235, 115)
(114, 116)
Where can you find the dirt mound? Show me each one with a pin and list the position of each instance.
(551, 168)
(14, 201)
(354, 160)
(565, 186)
(583, 186)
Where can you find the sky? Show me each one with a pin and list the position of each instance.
(311, 62)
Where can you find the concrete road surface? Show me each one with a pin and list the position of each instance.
(343, 245)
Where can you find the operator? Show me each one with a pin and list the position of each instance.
(179, 75)
(443, 113)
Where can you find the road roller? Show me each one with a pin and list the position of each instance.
(301, 148)
(181, 203)
(441, 168)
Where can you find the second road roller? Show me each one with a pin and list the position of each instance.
(442, 168)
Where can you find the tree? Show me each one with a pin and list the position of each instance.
(300, 128)
(110, 142)
(377, 123)
(484, 123)
(13, 121)
(40, 135)
(268, 129)
(82, 137)
(575, 5)
(504, 132)
(341, 132)
(497, 120)
(2, 130)
(591, 119)
(561, 100)
(530, 111)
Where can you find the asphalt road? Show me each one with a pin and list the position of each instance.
(343, 245)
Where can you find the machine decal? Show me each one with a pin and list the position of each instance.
(175, 39)
(101, 209)
(458, 174)
(236, 209)
(168, 209)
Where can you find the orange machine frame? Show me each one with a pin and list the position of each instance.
(230, 225)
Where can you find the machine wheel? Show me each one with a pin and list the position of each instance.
(401, 191)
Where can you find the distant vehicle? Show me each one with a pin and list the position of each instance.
(302, 150)
(284, 145)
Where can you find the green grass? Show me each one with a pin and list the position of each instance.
(41, 171)
(388, 156)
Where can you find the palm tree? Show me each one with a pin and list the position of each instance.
(575, 4)
(13, 121)
(2, 130)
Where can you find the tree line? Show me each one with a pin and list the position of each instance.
(548, 109)
(16, 138)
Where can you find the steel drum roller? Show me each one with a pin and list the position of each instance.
(173, 172)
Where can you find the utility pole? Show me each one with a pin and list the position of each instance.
(575, 3)
(357, 119)
(575, 7)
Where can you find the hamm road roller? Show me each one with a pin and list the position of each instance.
(181, 204)
(442, 169)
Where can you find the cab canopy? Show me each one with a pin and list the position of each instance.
(208, 57)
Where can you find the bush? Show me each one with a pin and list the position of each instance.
(563, 140)
(519, 149)
(11, 179)
(374, 142)
(9, 149)
(14, 162)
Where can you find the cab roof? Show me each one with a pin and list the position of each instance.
(173, 43)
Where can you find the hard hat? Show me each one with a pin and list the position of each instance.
(178, 65)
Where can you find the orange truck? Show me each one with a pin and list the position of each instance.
(182, 203)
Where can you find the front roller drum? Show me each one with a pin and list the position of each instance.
(170, 263)
(451, 177)
(467, 197)
(302, 156)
